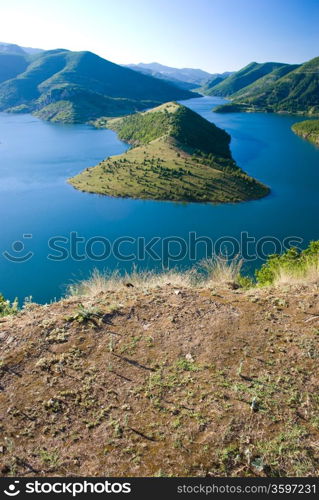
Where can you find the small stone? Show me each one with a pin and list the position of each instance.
(254, 405)
(189, 358)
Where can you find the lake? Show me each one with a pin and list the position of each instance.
(37, 204)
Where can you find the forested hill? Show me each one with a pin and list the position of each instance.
(240, 79)
(66, 86)
(288, 88)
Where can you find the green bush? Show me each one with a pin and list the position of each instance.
(245, 282)
(6, 307)
(293, 261)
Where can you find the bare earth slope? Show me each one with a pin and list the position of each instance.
(169, 381)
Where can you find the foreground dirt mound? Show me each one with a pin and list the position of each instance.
(166, 382)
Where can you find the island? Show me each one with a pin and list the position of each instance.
(176, 155)
(308, 129)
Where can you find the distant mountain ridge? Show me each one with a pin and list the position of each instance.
(62, 85)
(12, 48)
(161, 76)
(189, 75)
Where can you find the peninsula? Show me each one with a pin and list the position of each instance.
(308, 129)
(176, 155)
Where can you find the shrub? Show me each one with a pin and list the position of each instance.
(6, 307)
(293, 264)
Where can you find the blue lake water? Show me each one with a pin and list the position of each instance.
(36, 203)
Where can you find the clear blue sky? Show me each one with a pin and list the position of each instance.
(215, 35)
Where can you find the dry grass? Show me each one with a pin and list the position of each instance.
(308, 274)
(220, 269)
(211, 272)
(100, 282)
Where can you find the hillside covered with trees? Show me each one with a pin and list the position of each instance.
(288, 89)
(65, 86)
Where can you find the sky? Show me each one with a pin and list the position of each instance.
(214, 35)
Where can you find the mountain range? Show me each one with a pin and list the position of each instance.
(189, 78)
(275, 87)
(75, 87)
(62, 85)
(12, 48)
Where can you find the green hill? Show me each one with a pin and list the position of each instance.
(67, 86)
(240, 79)
(309, 129)
(212, 83)
(296, 91)
(11, 65)
(262, 84)
(176, 155)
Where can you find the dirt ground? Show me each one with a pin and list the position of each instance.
(167, 382)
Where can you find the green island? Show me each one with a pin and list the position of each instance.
(308, 129)
(271, 87)
(176, 155)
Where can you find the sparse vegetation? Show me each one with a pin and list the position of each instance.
(292, 267)
(308, 129)
(179, 380)
(178, 155)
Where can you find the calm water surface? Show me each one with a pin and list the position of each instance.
(37, 157)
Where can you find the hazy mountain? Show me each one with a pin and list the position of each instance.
(12, 48)
(161, 76)
(189, 75)
(32, 50)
